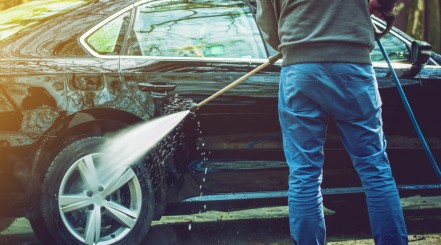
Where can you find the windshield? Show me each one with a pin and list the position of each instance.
(18, 18)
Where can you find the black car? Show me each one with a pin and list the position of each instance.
(74, 72)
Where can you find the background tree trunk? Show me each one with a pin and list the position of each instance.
(433, 24)
(415, 19)
(423, 21)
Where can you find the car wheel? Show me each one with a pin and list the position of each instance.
(80, 203)
(5, 222)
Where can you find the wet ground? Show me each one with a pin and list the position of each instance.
(264, 226)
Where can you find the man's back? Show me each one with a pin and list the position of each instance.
(319, 30)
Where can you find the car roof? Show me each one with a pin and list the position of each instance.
(58, 34)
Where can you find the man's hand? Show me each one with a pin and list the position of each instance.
(376, 9)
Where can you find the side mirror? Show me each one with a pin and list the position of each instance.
(419, 55)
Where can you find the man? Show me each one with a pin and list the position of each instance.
(327, 73)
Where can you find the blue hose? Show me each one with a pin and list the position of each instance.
(409, 111)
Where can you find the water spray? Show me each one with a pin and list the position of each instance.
(129, 145)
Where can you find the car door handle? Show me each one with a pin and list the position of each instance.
(156, 87)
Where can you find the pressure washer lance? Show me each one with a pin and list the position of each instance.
(270, 61)
(389, 18)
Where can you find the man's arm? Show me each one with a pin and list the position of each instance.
(377, 7)
(267, 19)
(387, 5)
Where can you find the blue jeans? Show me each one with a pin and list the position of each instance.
(308, 95)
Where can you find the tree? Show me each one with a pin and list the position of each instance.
(433, 24)
(423, 21)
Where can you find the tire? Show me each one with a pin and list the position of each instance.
(5, 222)
(75, 193)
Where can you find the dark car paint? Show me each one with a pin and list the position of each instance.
(46, 78)
(51, 89)
(57, 36)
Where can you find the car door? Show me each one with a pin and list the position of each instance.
(410, 164)
(192, 50)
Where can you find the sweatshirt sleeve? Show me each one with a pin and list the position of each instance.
(387, 5)
(267, 20)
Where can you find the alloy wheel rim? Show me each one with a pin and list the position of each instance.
(97, 207)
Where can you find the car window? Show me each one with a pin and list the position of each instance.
(196, 29)
(108, 39)
(396, 49)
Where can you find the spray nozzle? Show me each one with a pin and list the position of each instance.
(193, 108)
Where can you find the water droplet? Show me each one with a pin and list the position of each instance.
(206, 169)
(200, 187)
(205, 206)
(203, 144)
(203, 180)
(189, 227)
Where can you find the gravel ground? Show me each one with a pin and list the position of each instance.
(263, 226)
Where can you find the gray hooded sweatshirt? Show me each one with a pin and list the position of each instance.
(316, 31)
